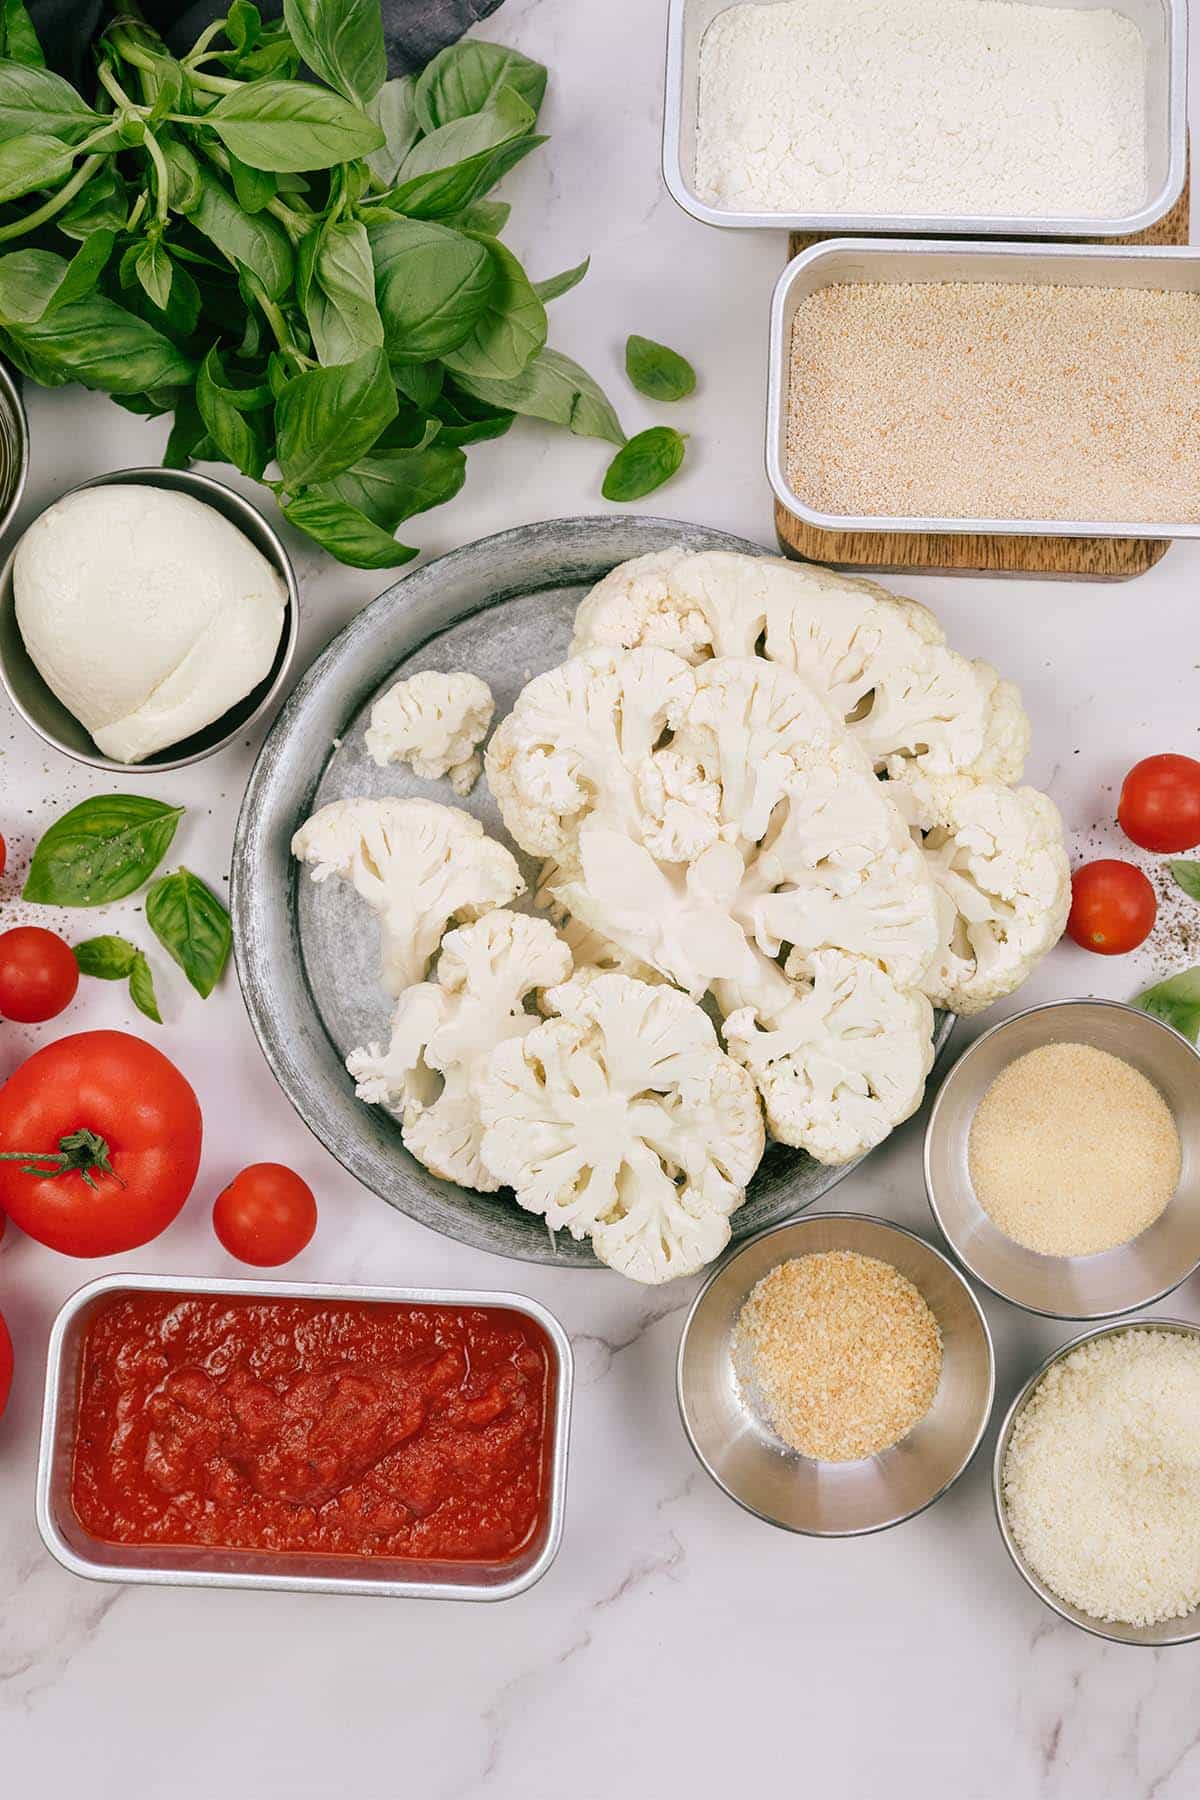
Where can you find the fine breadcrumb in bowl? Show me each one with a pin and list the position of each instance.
(995, 400)
(1101, 1481)
(839, 1353)
(1072, 1151)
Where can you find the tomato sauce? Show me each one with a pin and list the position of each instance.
(343, 1427)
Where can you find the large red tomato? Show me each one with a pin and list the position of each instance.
(99, 1143)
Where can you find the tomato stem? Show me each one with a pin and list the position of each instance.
(79, 1152)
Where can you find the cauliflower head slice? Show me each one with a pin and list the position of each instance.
(843, 1063)
(433, 722)
(621, 1119)
(999, 864)
(419, 865)
(576, 739)
(444, 1031)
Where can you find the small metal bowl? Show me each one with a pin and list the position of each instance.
(47, 715)
(1111, 1282)
(1156, 1637)
(825, 1499)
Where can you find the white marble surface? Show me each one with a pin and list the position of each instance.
(678, 1646)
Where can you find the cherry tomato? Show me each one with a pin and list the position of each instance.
(38, 974)
(1159, 806)
(266, 1215)
(99, 1143)
(1112, 907)
(6, 1365)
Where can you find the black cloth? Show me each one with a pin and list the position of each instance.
(415, 29)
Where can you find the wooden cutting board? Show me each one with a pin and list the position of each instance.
(1098, 559)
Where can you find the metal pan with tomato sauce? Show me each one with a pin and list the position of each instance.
(219, 1495)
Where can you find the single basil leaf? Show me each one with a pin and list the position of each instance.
(185, 184)
(327, 418)
(292, 126)
(511, 328)
(659, 373)
(555, 286)
(153, 267)
(29, 280)
(1175, 1001)
(554, 388)
(21, 42)
(431, 285)
(487, 217)
(391, 485)
(249, 240)
(243, 25)
(393, 111)
(1187, 875)
(181, 315)
(100, 344)
(101, 205)
(31, 162)
(192, 925)
(345, 532)
(420, 382)
(462, 419)
(452, 187)
(236, 436)
(188, 441)
(464, 77)
(342, 42)
(101, 850)
(340, 304)
(108, 958)
(504, 117)
(85, 268)
(254, 188)
(272, 56)
(644, 463)
(34, 99)
(141, 989)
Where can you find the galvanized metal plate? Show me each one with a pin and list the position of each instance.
(307, 953)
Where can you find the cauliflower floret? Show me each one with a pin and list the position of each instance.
(443, 1033)
(843, 1062)
(433, 722)
(576, 739)
(593, 954)
(417, 864)
(1000, 866)
(622, 1120)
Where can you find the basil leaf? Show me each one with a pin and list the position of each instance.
(101, 850)
(345, 532)
(31, 162)
(555, 286)
(185, 184)
(188, 441)
(272, 54)
(153, 267)
(84, 269)
(29, 280)
(254, 188)
(654, 370)
(555, 388)
(511, 328)
(1187, 875)
(488, 217)
(1175, 1001)
(235, 436)
(34, 99)
(643, 464)
(393, 111)
(445, 171)
(431, 284)
(108, 958)
(342, 42)
(243, 25)
(420, 382)
(99, 344)
(192, 925)
(327, 418)
(141, 989)
(464, 420)
(340, 305)
(391, 485)
(19, 39)
(292, 126)
(248, 240)
(450, 193)
(101, 205)
(464, 77)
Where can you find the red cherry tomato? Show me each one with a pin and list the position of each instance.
(1159, 806)
(116, 1129)
(1112, 907)
(266, 1215)
(6, 1365)
(38, 974)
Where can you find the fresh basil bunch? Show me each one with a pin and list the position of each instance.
(305, 273)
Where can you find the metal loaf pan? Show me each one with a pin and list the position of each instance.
(83, 1554)
(1163, 25)
(844, 260)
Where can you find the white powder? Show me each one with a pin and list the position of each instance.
(921, 106)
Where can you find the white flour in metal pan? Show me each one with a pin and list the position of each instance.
(922, 106)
